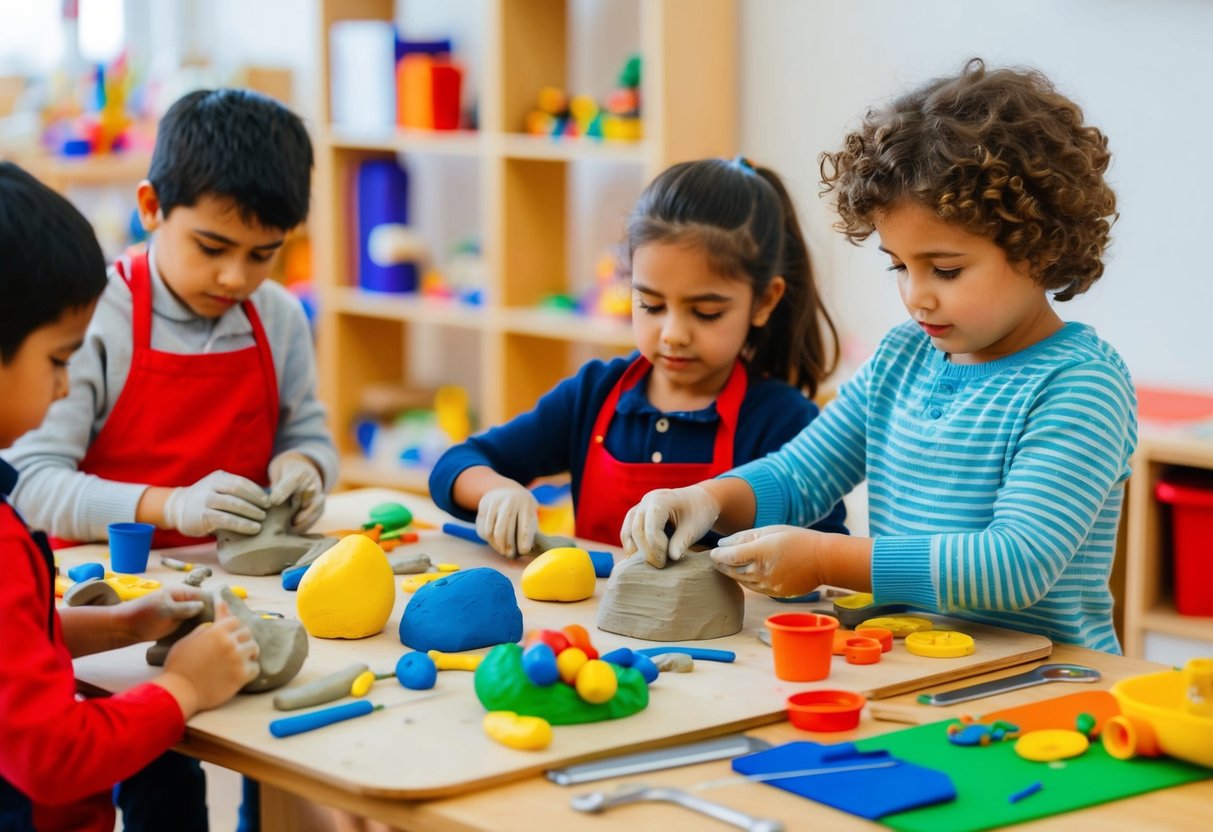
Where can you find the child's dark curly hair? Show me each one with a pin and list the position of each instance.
(1000, 153)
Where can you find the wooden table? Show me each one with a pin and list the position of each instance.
(531, 802)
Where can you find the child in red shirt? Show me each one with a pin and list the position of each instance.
(60, 756)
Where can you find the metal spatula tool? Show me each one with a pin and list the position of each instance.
(1038, 676)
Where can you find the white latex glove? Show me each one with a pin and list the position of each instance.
(775, 560)
(507, 519)
(691, 510)
(217, 501)
(293, 473)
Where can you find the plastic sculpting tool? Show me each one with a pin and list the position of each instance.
(464, 532)
(1036, 676)
(721, 748)
(289, 726)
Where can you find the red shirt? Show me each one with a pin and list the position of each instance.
(62, 753)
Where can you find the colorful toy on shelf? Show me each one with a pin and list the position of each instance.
(428, 86)
(558, 114)
(461, 277)
(622, 120)
(417, 437)
(611, 295)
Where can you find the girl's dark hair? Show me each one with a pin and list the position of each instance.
(50, 261)
(238, 145)
(999, 152)
(743, 217)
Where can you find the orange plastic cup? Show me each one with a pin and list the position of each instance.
(803, 645)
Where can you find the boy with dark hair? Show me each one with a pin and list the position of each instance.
(60, 756)
(196, 384)
(194, 390)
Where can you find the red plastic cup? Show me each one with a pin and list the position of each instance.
(825, 710)
(802, 644)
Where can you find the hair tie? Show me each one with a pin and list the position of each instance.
(743, 163)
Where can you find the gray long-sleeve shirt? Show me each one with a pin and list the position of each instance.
(54, 495)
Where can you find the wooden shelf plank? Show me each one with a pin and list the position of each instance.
(468, 143)
(1164, 619)
(1177, 450)
(351, 301)
(357, 471)
(566, 326)
(574, 148)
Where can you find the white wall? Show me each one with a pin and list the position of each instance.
(1142, 71)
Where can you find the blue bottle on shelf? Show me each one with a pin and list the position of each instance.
(382, 192)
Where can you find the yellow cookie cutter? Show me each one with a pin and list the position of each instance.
(900, 626)
(130, 587)
(856, 601)
(1051, 744)
(940, 644)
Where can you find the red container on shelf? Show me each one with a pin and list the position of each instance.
(1190, 497)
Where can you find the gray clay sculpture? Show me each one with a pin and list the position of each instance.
(91, 593)
(281, 642)
(271, 550)
(686, 601)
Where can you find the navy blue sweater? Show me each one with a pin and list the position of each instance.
(553, 437)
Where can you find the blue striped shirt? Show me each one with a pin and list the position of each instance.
(994, 489)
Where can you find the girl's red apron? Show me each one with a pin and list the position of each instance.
(610, 487)
(180, 417)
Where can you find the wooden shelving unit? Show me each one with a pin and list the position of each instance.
(1149, 608)
(689, 108)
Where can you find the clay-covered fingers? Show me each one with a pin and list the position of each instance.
(668, 522)
(773, 560)
(733, 557)
(181, 602)
(309, 512)
(218, 659)
(507, 519)
(292, 474)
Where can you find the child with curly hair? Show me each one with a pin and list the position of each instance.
(995, 437)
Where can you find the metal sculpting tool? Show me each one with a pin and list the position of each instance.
(1037, 676)
(721, 748)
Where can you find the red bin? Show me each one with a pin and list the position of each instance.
(1190, 497)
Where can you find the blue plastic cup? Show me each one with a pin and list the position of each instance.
(130, 544)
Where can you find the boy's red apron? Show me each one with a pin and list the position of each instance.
(610, 487)
(180, 417)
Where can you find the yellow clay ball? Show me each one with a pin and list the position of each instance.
(348, 592)
(569, 663)
(596, 682)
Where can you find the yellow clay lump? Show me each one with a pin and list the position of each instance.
(348, 592)
(527, 733)
(564, 574)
